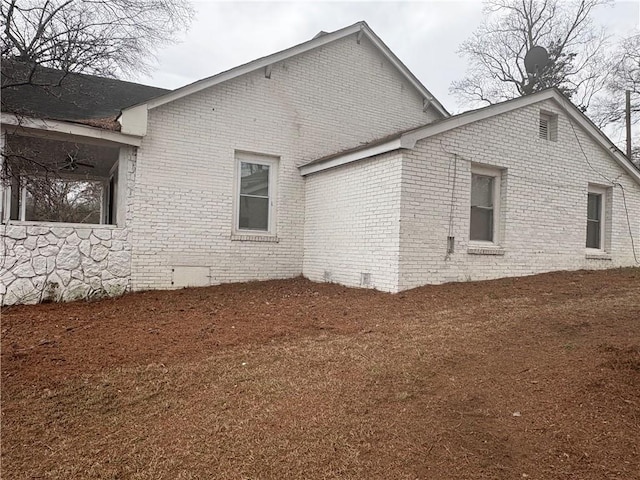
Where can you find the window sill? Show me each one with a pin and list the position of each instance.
(485, 250)
(597, 256)
(248, 237)
(28, 223)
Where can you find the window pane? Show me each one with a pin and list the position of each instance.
(254, 179)
(593, 206)
(481, 191)
(254, 213)
(61, 200)
(481, 224)
(594, 216)
(593, 234)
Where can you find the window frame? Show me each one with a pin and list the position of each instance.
(496, 174)
(258, 159)
(602, 193)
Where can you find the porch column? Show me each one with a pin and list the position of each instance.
(4, 191)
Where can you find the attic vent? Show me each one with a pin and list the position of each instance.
(544, 126)
(321, 33)
(548, 127)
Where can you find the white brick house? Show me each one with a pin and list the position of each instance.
(331, 160)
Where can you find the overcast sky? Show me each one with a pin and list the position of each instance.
(424, 35)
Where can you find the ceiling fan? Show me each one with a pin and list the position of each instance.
(71, 163)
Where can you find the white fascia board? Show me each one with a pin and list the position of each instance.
(598, 136)
(291, 52)
(67, 128)
(365, 152)
(409, 139)
(251, 66)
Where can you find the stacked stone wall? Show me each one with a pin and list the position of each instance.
(61, 263)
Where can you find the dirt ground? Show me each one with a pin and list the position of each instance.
(524, 378)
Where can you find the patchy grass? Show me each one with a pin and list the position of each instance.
(535, 377)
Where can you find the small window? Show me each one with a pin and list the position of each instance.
(597, 218)
(485, 205)
(482, 208)
(594, 220)
(548, 126)
(256, 185)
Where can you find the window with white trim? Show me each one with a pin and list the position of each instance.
(255, 198)
(597, 218)
(485, 204)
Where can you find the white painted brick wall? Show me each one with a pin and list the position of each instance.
(332, 98)
(544, 201)
(352, 223)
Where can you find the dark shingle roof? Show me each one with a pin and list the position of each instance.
(54, 95)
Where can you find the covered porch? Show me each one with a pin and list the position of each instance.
(65, 200)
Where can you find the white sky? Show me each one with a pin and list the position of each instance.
(423, 34)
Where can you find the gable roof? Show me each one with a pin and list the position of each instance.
(51, 94)
(409, 138)
(322, 38)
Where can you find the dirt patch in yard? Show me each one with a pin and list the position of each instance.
(535, 377)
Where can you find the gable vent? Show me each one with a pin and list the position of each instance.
(544, 126)
(548, 126)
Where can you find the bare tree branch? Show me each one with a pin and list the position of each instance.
(511, 27)
(624, 74)
(111, 38)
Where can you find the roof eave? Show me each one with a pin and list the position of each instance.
(264, 62)
(408, 140)
(251, 66)
(365, 152)
(59, 128)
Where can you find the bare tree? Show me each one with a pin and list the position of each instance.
(109, 38)
(497, 49)
(624, 74)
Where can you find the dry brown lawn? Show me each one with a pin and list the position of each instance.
(524, 378)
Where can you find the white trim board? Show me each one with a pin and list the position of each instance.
(60, 129)
(409, 139)
(264, 62)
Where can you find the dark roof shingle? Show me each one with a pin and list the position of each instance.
(55, 95)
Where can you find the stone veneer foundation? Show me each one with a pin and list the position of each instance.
(62, 262)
